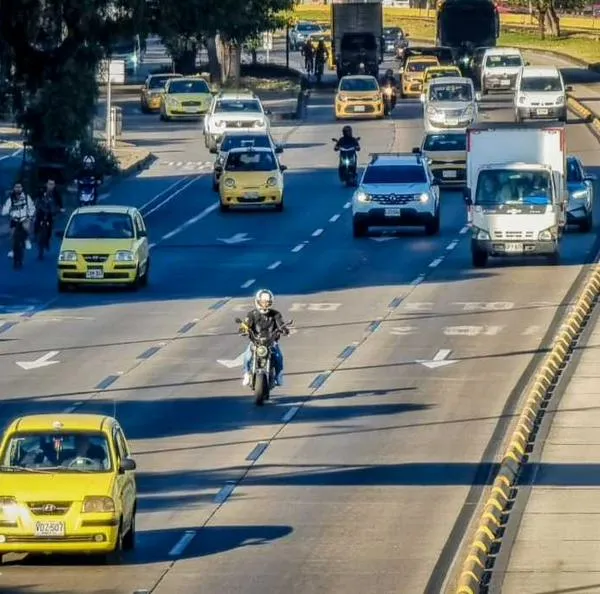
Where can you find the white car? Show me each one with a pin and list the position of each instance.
(229, 112)
(450, 104)
(396, 190)
(540, 94)
(500, 68)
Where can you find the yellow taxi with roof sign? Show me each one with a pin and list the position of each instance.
(251, 176)
(413, 73)
(152, 91)
(104, 245)
(358, 96)
(67, 486)
(434, 72)
(185, 97)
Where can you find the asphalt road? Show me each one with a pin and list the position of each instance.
(353, 478)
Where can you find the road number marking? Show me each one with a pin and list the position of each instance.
(473, 330)
(483, 306)
(315, 306)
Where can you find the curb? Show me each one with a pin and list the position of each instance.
(479, 561)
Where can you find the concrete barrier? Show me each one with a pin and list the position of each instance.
(489, 529)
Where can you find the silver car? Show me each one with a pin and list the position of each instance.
(580, 184)
(449, 103)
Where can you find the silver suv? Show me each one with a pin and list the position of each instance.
(396, 190)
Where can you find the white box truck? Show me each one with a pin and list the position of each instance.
(516, 190)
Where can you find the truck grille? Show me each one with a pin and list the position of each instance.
(513, 235)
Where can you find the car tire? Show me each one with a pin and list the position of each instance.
(223, 207)
(116, 555)
(62, 287)
(433, 227)
(479, 258)
(587, 225)
(554, 259)
(129, 538)
(145, 279)
(359, 228)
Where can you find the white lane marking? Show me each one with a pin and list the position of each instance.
(163, 192)
(485, 306)
(418, 280)
(317, 232)
(182, 544)
(473, 330)
(192, 221)
(231, 363)
(290, 414)
(298, 247)
(348, 205)
(436, 262)
(440, 359)
(248, 283)
(464, 230)
(274, 265)
(452, 245)
(314, 307)
(334, 218)
(224, 492)
(69, 409)
(43, 361)
(172, 196)
(531, 330)
(13, 154)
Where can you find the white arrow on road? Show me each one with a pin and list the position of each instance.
(237, 238)
(43, 361)
(381, 238)
(231, 363)
(439, 360)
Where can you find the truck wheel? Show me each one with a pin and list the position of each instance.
(479, 258)
(554, 259)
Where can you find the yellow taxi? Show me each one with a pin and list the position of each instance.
(68, 486)
(325, 36)
(434, 72)
(151, 92)
(358, 96)
(413, 74)
(104, 245)
(447, 154)
(185, 97)
(251, 176)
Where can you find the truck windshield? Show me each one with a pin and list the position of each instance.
(541, 84)
(450, 92)
(507, 61)
(508, 186)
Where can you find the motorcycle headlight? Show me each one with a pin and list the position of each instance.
(124, 256)
(480, 234)
(262, 351)
(272, 181)
(560, 100)
(229, 183)
(423, 198)
(67, 256)
(579, 195)
(362, 196)
(97, 505)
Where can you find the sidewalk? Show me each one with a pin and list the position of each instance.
(557, 548)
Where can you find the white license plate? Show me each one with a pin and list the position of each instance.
(46, 529)
(251, 195)
(514, 247)
(359, 108)
(542, 112)
(505, 83)
(192, 109)
(449, 174)
(452, 121)
(392, 212)
(95, 273)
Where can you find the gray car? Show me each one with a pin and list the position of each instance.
(300, 33)
(581, 195)
(450, 103)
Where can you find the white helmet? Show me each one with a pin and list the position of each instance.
(88, 161)
(263, 300)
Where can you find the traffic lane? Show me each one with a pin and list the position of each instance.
(572, 72)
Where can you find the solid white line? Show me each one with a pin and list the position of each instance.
(184, 541)
(317, 232)
(334, 218)
(348, 205)
(225, 492)
(290, 414)
(171, 196)
(69, 409)
(436, 262)
(151, 246)
(298, 247)
(274, 265)
(464, 230)
(192, 221)
(452, 245)
(14, 154)
(248, 283)
(163, 192)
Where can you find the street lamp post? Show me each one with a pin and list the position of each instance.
(109, 137)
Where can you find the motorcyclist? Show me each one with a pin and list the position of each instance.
(347, 141)
(263, 320)
(320, 55)
(20, 208)
(46, 205)
(309, 56)
(87, 174)
(389, 79)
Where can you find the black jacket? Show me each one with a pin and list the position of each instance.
(388, 80)
(347, 142)
(265, 324)
(55, 196)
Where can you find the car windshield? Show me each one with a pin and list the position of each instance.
(574, 173)
(238, 105)
(450, 92)
(100, 225)
(506, 186)
(508, 61)
(236, 141)
(158, 82)
(251, 161)
(420, 66)
(393, 32)
(188, 86)
(442, 73)
(445, 142)
(358, 84)
(400, 174)
(308, 27)
(57, 452)
(540, 84)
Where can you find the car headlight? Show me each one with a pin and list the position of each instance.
(480, 234)
(522, 100)
(7, 502)
(272, 181)
(124, 256)
(547, 234)
(469, 112)
(67, 256)
(262, 350)
(172, 102)
(229, 182)
(97, 505)
(362, 196)
(579, 195)
(341, 98)
(377, 97)
(432, 111)
(423, 198)
(560, 100)
(258, 124)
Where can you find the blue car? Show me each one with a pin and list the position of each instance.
(581, 195)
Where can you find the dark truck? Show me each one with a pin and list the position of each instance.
(357, 36)
(464, 25)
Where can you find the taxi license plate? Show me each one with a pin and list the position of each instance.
(514, 248)
(449, 174)
(251, 195)
(505, 82)
(392, 212)
(95, 273)
(542, 112)
(191, 109)
(359, 108)
(49, 529)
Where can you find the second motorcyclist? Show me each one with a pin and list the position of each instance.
(389, 80)
(88, 176)
(347, 141)
(48, 203)
(320, 57)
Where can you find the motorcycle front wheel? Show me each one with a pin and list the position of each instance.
(261, 389)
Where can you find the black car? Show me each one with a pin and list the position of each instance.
(391, 37)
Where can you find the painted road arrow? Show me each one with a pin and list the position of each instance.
(237, 238)
(439, 360)
(231, 363)
(43, 361)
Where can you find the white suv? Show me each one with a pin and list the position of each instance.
(229, 112)
(396, 190)
(540, 94)
(500, 68)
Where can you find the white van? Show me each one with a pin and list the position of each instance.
(500, 69)
(540, 94)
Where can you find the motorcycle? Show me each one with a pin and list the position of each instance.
(389, 99)
(262, 369)
(87, 192)
(348, 165)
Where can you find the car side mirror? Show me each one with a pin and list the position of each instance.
(143, 234)
(334, 139)
(357, 138)
(279, 149)
(467, 197)
(59, 234)
(478, 96)
(569, 89)
(406, 35)
(283, 167)
(213, 150)
(219, 168)
(127, 464)
(590, 177)
(416, 150)
(527, 63)
(268, 112)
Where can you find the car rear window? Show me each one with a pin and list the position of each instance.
(395, 174)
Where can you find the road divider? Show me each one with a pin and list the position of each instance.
(482, 550)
